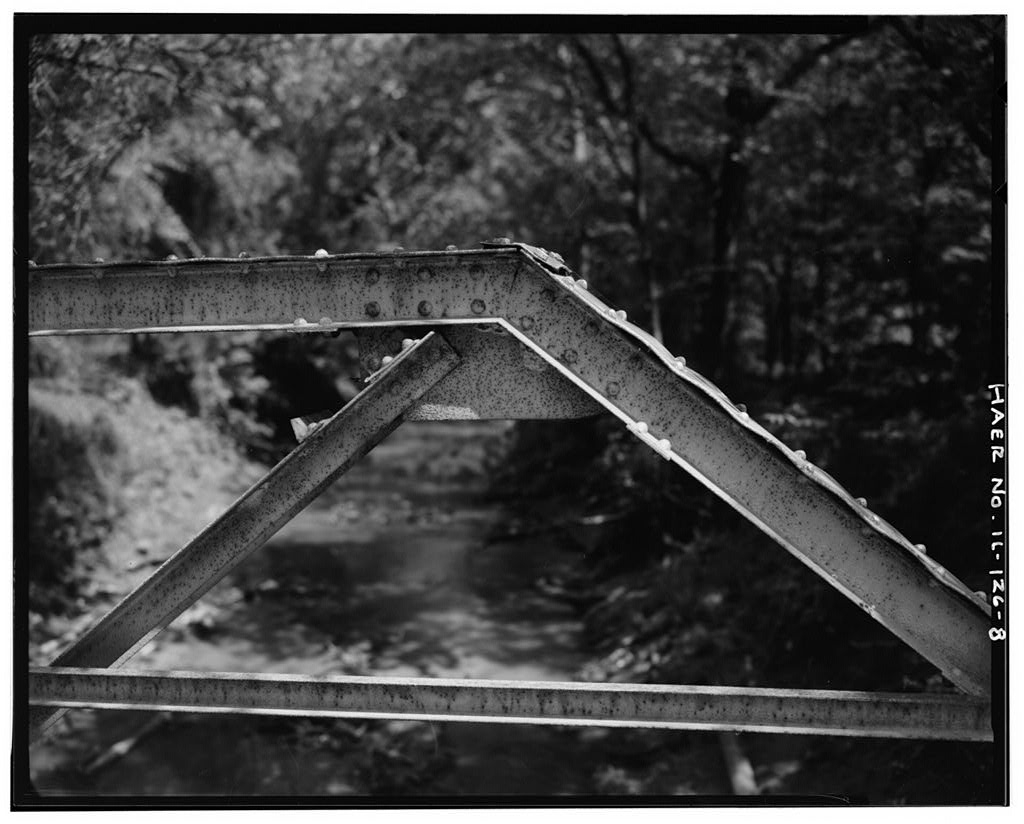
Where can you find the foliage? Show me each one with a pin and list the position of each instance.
(71, 500)
(805, 217)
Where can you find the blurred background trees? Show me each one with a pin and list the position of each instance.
(805, 217)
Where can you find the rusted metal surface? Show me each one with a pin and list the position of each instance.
(499, 378)
(264, 508)
(534, 296)
(272, 293)
(821, 712)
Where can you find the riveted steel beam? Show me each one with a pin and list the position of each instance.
(821, 712)
(533, 295)
(499, 378)
(267, 506)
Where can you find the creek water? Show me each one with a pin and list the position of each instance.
(392, 571)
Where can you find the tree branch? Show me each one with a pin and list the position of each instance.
(975, 131)
(604, 91)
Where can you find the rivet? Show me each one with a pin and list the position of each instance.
(372, 276)
(97, 260)
(620, 314)
(665, 444)
(398, 249)
(641, 427)
(862, 501)
(386, 360)
(570, 356)
(742, 407)
(612, 390)
(526, 322)
(581, 283)
(982, 595)
(680, 360)
(245, 268)
(32, 264)
(320, 253)
(372, 309)
(424, 274)
(301, 322)
(407, 342)
(243, 254)
(507, 241)
(478, 306)
(171, 257)
(558, 257)
(921, 548)
(801, 454)
(451, 248)
(325, 321)
(425, 309)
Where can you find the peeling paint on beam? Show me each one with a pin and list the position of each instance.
(820, 712)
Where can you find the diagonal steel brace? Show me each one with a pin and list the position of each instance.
(266, 507)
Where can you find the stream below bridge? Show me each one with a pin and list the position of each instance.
(392, 571)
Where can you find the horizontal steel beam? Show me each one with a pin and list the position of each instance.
(533, 296)
(266, 507)
(817, 712)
